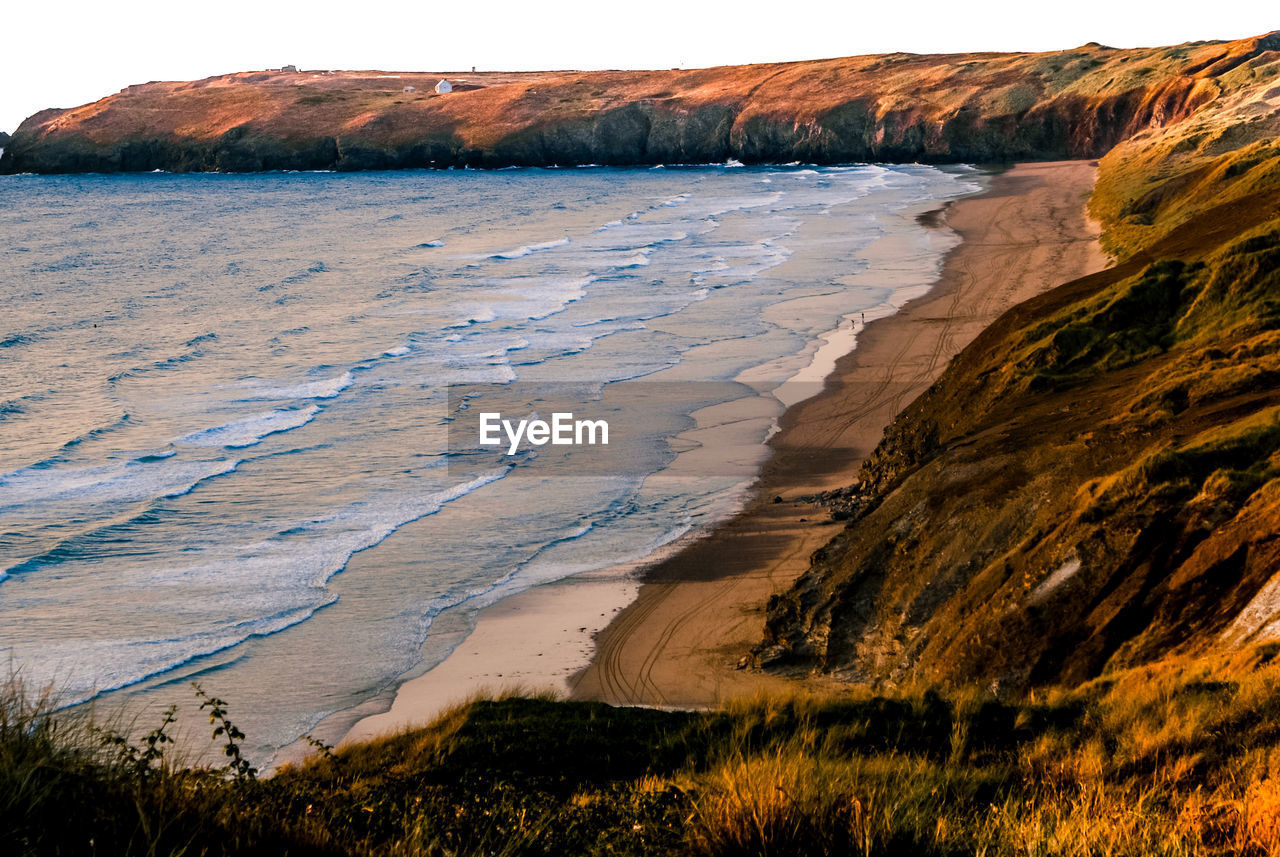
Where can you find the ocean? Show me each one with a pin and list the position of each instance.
(218, 390)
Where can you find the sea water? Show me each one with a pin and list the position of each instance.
(217, 390)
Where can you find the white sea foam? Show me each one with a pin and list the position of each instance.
(250, 430)
(637, 260)
(326, 388)
(33, 489)
(475, 315)
(266, 585)
(521, 252)
(520, 299)
(692, 269)
(550, 565)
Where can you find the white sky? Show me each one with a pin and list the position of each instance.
(61, 54)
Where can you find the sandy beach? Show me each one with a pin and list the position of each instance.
(699, 612)
(692, 615)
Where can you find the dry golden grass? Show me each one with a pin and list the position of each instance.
(1178, 758)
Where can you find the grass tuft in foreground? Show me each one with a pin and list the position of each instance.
(1181, 758)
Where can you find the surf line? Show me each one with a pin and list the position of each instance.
(563, 430)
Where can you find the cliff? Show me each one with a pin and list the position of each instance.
(1091, 484)
(889, 108)
(1095, 482)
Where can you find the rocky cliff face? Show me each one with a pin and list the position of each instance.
(1095, 481)
(889, 108)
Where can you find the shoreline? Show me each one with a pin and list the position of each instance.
(697, 613)
(672, 634)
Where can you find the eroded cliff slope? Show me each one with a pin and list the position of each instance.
(888, 108)
(1095, 481)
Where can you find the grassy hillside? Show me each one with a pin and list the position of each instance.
(1177, 760)
(1054, 597)
(893, 107)
(1092, 484)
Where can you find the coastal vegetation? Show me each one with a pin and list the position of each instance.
(1092, 483)
(1175, 759)
(1052, 600)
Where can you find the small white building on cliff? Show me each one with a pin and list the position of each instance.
(444, 86)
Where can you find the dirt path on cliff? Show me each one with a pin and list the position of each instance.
(700, 610)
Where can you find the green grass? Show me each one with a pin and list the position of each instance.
(1173, 759)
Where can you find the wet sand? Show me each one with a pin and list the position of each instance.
(700, 611)
(695, 613)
